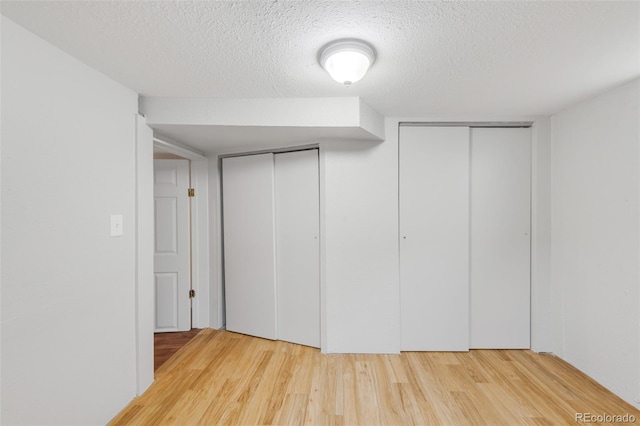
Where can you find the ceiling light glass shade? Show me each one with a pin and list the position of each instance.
(347, 60)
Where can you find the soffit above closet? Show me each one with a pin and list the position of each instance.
(433, 58)
(221, 126)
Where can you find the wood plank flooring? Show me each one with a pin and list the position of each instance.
(226, 378)
(165, 345)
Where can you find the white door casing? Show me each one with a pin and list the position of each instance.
(297, 209)
(249, 244)
(434, 238)
(500, 238)
(172, 246)
(145, 316)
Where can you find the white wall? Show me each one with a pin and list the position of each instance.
(596, 238)
(68, 289)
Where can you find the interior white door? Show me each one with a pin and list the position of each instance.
(172, 257)
(297, 246)
(249, 244)
(500, 237)
(434, 238)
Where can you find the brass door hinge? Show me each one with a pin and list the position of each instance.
(192, 294)
(191, 192)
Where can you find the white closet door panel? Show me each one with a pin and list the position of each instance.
(172, 258)
(434, 238)
(500, 238)
(298, 250)
(249, 245)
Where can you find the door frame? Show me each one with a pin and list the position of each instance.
(541, 301)
(144, 279)
(144, 242)
(199, 170)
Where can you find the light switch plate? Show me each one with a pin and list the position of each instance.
(116, 225)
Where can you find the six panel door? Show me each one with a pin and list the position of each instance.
(172, 257)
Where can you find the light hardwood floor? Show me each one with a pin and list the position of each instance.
(226, 378)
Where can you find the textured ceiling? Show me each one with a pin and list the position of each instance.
(434, 58)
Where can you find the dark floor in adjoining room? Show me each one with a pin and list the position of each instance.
(165, 345)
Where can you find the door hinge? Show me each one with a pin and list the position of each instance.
(192, 294)
(191, 192)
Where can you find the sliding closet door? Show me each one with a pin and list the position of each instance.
(249, 245)
(297, 247)
(500, 238)
(434, 238)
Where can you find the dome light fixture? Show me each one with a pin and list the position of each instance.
(347, 60)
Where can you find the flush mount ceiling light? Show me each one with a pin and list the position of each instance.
(347, 60)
